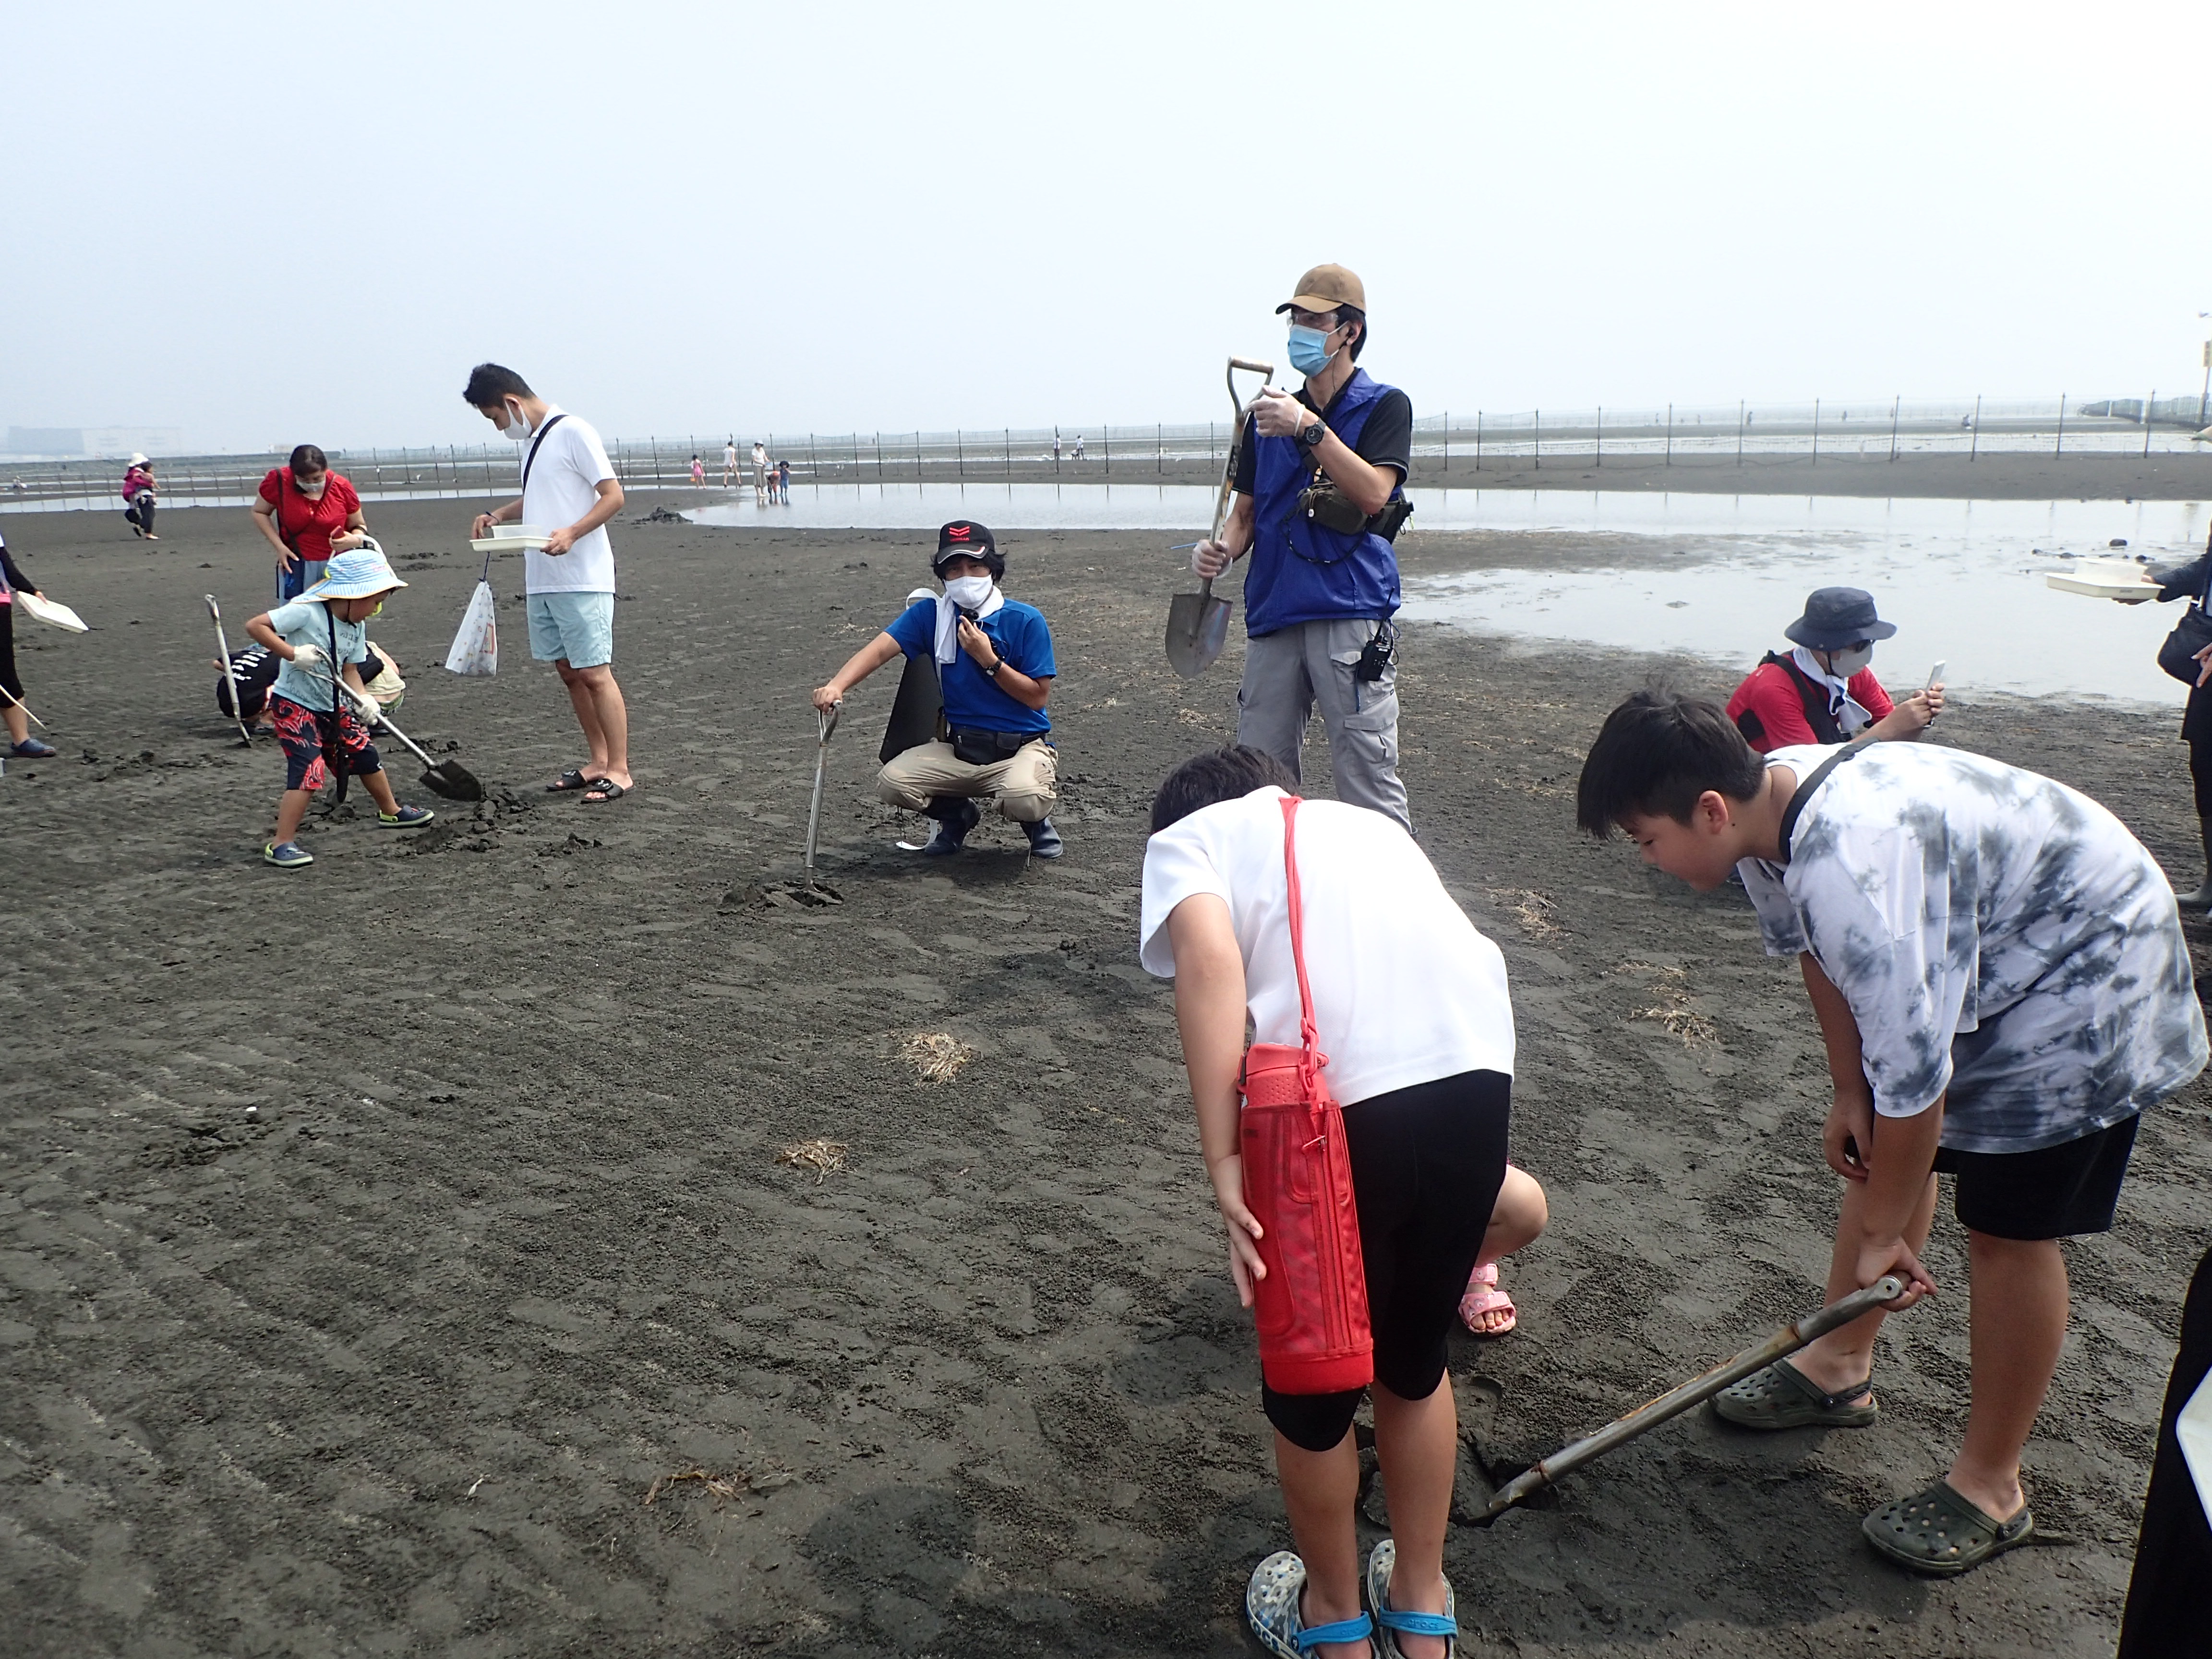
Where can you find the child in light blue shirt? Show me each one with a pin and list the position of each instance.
(321, 636)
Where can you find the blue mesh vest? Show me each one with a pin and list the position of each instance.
(1302, 571)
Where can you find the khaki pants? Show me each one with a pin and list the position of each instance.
(1288, 673)
(1023, 781)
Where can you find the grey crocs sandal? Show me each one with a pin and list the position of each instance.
(1783, 1397)
(1271, 1606)
(1939, 1533)
(1379, 1565)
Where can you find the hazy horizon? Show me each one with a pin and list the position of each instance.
(261, 229)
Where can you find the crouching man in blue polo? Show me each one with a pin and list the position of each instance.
(995, 671)
(1318, 503)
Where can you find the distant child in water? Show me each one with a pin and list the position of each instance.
(321, 635)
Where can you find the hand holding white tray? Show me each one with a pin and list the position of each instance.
(512, 538)
(2105, 579)
(51, 612)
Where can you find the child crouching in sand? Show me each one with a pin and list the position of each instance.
(2000, 978)
(325, 633)
(1410, 1006)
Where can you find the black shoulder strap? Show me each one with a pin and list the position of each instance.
(1826, 728)
(1803, 793)
(531, 459)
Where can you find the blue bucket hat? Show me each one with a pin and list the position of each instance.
(1836, 618)
(355, 574)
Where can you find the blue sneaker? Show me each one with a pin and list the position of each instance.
(286, 856)
(407, 817)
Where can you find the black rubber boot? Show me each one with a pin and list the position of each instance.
(955, 816)
(1044, 840)
(2202, 898)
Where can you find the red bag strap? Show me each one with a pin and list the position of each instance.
(1309, 1033)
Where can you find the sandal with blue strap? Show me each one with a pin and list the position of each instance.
(1271, 1603)
(1379, 1565)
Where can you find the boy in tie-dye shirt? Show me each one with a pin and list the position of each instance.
(2001, 982)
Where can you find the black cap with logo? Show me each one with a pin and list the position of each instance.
(964, 537)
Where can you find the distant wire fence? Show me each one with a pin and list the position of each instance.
(1448, 443)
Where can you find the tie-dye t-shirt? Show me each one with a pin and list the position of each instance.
(1999, 937)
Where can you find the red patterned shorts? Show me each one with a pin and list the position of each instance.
(301, 730)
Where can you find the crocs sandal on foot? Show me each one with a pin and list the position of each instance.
(407, 817)
(286, 856)
(1271, 1604)
(1939, 1533)
(570, 782)
(1484, 1297)
(1783, 1397)
(1394, 1624)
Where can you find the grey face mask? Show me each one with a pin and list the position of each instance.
(1845, 664)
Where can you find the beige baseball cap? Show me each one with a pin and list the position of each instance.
(1324, 289)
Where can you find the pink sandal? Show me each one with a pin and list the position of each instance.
(1483, 1297)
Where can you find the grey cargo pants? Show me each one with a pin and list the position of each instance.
(1288, 671)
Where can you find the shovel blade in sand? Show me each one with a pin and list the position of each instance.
(1198, 629)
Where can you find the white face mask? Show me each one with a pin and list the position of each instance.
(1845, 664)
(518, 423)
(968, 592)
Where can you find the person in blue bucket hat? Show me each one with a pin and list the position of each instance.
(1824, 690)
(321, 635)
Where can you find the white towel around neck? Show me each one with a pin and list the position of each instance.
(948, 622)
(1850, 713)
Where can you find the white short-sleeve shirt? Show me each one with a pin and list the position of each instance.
(2001, 939)
(563, 486)
(1405, 989)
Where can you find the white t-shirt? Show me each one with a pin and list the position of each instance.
(729, 455)
(1405, 990)
(2001, 939)
(562, 487)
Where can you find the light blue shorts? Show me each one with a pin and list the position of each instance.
(577, 629)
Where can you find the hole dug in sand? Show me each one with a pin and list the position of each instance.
(824, 1157)
(939, 1056)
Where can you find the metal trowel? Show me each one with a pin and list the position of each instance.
(1197, 623)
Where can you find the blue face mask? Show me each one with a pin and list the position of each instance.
(1309, 352)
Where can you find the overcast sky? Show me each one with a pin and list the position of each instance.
(270, 224)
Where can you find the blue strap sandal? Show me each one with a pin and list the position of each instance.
(1271, 1604)
(1381, 1563)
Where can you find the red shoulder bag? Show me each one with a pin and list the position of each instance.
(1311, 1307)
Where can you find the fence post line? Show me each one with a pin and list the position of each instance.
(1599, 431)
(1537, 426)
(2059, 446)
(917, 455)
(1477, 440)
(1896, 404)
(1816, 432)
(1010, 451)
(1739, 432)
(960, 448)
(1974, 448)
(1448, 441)
(1106, 443)
(1670, 434)
(813, 466)
(2148, 402)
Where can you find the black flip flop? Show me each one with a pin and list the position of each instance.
(607, 790)
(570, 781)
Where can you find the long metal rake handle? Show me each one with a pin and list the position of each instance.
(828, 723)
(1672, 1404)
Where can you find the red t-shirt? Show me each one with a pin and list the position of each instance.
(306, 526)
(1771, 693)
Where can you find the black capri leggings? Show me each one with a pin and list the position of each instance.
(1427, 1163)
(10, 682)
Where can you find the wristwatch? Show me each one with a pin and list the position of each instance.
(1309, 437)
(991, 672)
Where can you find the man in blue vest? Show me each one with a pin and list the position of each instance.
(1318, 500)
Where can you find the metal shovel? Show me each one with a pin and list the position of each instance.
(1197, 623)
(448, 778)
(229, 674)
(1672, 1404)
(829, 724)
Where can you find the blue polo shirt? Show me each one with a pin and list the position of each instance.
(972, 699)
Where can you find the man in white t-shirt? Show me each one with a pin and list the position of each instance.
(760, 473)
(568, 484)
(1411, 1007)
(729, 463)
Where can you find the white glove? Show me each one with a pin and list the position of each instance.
(1211, 554)
(307, 656)
(364, 705)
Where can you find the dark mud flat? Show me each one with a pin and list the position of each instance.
(392, 1362)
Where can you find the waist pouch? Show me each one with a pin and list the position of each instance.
(1311, 1308)
(1329, 507)
(980, 748)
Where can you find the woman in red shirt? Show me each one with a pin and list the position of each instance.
(1823, 692)
(308, 513)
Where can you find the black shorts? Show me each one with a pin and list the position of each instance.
(2053, 1192)
(1427, 1163)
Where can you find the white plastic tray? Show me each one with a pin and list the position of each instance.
(51, 612)
(512, 538)
(2105, 579)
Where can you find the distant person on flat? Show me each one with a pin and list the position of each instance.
(760, 473)
(306, 512)
(1824, 690)
(139, 494)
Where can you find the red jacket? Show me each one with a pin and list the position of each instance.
(1778, 705)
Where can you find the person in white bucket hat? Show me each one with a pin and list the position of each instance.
(325, 633)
